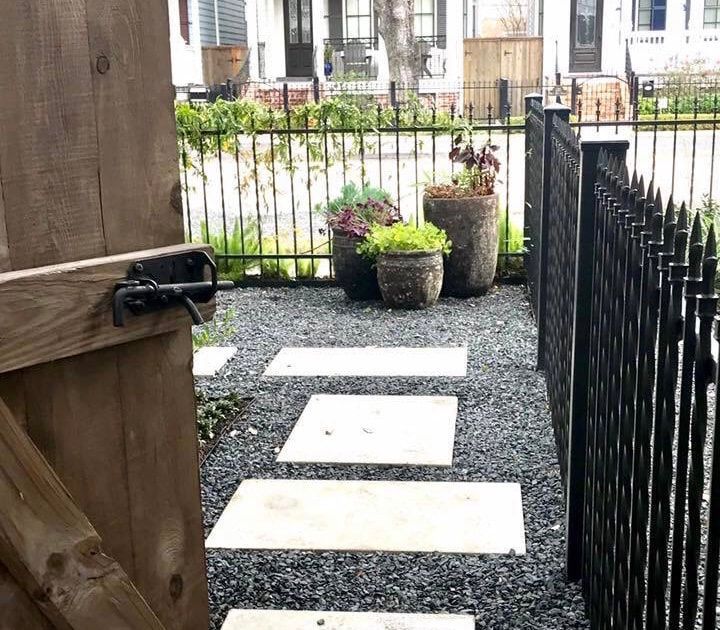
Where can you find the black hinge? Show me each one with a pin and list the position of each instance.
(155, 284)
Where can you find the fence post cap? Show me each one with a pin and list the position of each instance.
(556, 108)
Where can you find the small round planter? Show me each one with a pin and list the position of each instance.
(410, 280)
(353, 272)
(472, 226)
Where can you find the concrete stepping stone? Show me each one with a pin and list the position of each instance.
(208, 361)
(305, 620)
(410, 516)
(369, 361)
(401, 430)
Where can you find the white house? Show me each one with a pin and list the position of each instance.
(203, 25)
(185, 44)
(290, 39)
(598, 37)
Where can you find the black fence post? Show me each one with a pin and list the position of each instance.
(580, 372)
(533, 190)
(562, 112)
(504, 100)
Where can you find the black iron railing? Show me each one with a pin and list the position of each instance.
(631, 366)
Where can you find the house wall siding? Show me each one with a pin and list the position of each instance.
(231, 21)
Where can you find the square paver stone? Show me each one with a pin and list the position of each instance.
(370, 361)
(305, 620)
(208, 361)
(410, 516)
(402, 430)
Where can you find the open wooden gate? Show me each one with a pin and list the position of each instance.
(88, 177)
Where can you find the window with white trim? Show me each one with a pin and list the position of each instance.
(651, 15)
(358, 18)
(424, 18)
(711, 17)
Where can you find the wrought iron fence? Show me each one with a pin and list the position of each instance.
(632, 374)
(257, 193)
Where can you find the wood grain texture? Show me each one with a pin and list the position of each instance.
(52, 550)
(138, 156)
(49, 148)
(517, 58)
(19, 612)
(53, 312)
(156, 387)
(4, 249)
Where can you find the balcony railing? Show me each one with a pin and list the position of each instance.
(656, 51)
(359, 56)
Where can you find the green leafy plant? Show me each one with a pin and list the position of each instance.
(216, 331)
(402, 237)
(215, 412)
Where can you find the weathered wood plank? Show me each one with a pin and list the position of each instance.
(156, 387)
(52, 312)
(18, 610)
(49, 148)
(4, 248)
(52, 550)
(138, 156)
(75, 390)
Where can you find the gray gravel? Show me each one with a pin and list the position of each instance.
(503, 434)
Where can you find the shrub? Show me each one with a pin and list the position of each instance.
(477, 178)
(356, 209)
(402, 237)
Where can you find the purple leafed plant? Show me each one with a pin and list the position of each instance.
(356, 210)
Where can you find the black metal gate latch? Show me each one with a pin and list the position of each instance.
(155, 284)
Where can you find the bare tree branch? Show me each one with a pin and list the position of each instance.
(514, 17)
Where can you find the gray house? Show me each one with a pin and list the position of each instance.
(222, 22)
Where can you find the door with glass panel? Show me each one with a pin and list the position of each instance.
(298, 38)
(586, 35)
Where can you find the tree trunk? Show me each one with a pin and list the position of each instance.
(396, 24)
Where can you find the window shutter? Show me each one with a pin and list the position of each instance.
(184, 21)
(441, 29)
(335, 19)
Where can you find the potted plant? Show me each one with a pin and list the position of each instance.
(467, 209)
(327, 56)
(409, 262)
(350, 216)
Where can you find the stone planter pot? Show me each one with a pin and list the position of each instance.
(353, 272)
(410, 279)
(472, 226)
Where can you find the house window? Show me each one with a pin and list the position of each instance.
(651, 15)
(711, 18)
(586, 17)
(424, 18)
(358, 18)
(184, 21)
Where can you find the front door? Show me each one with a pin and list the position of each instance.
(586, 35)
(298, 38)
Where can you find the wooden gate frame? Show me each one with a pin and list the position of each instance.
(89, 173)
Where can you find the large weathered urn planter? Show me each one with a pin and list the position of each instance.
(410, 279)
(353, 272)
(471, 224)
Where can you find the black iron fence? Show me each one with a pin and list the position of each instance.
(632, 369)
(256, 186)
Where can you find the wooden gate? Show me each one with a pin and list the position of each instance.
(88, 176)
(489, 59)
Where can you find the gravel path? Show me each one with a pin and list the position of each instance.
(503, 434)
